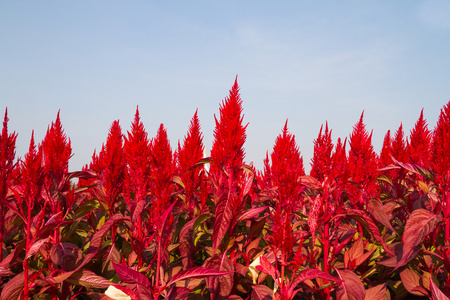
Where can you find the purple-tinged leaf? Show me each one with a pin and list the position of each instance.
(89, 279)
(12, 289)
(251, 213)
(178, 293)
(248, 181)
(163, 220)
(376, 209)
(378, 292)
(420, 223)
(35, 247)
(96, 240)
(262, 292)
(131, 276)
(411, 282)
(197, 272)
(436, 293)
(224, 216)
(187, 243)
(220, 285)
(311, 274)
(137, 211)
(66, 255)
(365, 220)
(266, 267)
(4, 272)
(351, 287)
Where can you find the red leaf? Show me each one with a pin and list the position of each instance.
(223, 285)
(376, 209)
(89, 279)
(436, 293)
(224, 216)
(411, 281)
(131, 276)
(378, 292)
(251, 213)
(261, 292)
(312, 274)
(178, 293)
(13, 288)
(351, 287)
(96, 240)
(419, 224)
(267, 268)
(197, 272)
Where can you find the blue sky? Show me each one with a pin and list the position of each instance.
(306, 61)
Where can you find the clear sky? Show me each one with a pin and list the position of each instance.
(306, 61)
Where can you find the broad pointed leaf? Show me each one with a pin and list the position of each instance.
(378, 292)
(261, 292)
(411, 281)
(351, 287)
(197, 272)
(12, 289)
(436, 293)
(89, 279)
(251, 213)
(131, 276)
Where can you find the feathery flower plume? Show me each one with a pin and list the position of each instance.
(441, 142)
(419, 144)
(399, 145)
(386, 150)
(321, 161)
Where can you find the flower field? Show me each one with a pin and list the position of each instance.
(141, 221)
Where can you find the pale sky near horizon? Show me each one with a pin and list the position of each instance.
(305, 61)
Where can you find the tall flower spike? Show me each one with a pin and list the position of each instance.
(229, 134)
(339, 162)
(441, 142)
(112, 162)
(386, 150)
(419, 144)
(362, 159)
(7, 154)
(56, 151)
(399, 145)
(163, 171)
(321, 161)
(187, 156)
(286, 167)
(138, 154)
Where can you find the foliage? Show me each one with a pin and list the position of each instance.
(141, 222)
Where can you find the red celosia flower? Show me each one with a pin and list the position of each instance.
(56, 151)
(399, 145)
(138, 154)
(229, 135)
(163, 171)
(418, 147)
(187, 156)
(321, 161)
(386, 150)
(441, 142)
(111, 163)
(339, 169)
(285, 169)
(7, 154)
(362, 160)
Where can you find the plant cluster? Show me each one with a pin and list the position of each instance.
(143, 222)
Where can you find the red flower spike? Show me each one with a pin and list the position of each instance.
(286, 168)
(229, 135)
(441, 142)
(7, 154)
(321, 161)
(399, 145)
(339, 162)
(419, 144)
(362, 160)
(138, 154)
(57, 151)
(111, 161)
(386, 150)
(187, 156)
(163, 171)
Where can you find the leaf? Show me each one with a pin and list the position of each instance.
(117, 292)
(248, 181)
(178, 293)
(89, 279)
(96, 240)
(414, 169)
(351, 287)
(187, 243)
(364, 219)
(436, 293)
(220, 285)
(376, 209)
(378, 292)
(419, 224)
(411, 281)
(13, 288)
(35, 247)
(131, 276)
(66, 255)
(261, 292)
(197, 272)
(355, 255)
(266, 267)
(224, 216)
(251, 213)
(4, 272)
(309, 274)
